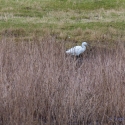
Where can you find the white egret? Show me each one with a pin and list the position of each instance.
(77, 50)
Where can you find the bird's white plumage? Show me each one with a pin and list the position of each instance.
(77, 50)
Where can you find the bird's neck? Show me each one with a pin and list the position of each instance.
(83, 46)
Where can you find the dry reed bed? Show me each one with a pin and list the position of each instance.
(40, 85)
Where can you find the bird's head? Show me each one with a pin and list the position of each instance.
(84, 44)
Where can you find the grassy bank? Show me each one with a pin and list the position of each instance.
(81, 20)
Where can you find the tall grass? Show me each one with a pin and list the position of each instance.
(40, 85)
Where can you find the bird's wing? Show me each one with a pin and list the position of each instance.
(74, 50)
(71, 50)
(78, 50)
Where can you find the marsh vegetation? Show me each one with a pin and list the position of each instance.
(40, 84)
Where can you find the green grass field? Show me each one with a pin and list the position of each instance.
(82, 20)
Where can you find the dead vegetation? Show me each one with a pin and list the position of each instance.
(40, 85)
